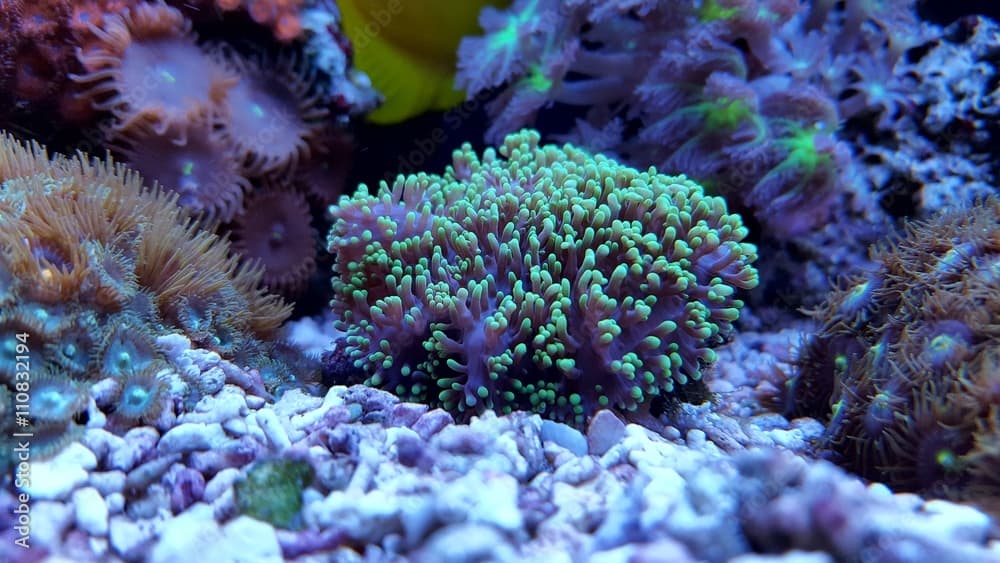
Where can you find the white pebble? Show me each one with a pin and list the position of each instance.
(695, 438)
(131, 540)
(224, 507)
(335, 396)
(219, 484)
(91, 511)
(247, 539)
(484, 497)
(211, 380)
(192, 436)
(56, 478)
(98, 546)
(789, 439)
(49, 521)
(173, 345)
(296, 401)
(107, 482)
(273, 429)
(101, 442)
(236, 426)
(254, 402)
(137, 444)
(188, 537)
(95, 418)
(959, 523)
(225, 406)
(115, 502)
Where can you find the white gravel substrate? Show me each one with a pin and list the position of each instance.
(397, 481)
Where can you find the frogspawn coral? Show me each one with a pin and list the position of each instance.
(536, 277)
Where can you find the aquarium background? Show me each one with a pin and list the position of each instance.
(563, 280)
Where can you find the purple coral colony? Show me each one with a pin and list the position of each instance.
(499, 281)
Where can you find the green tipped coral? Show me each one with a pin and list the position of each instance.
(540, 278)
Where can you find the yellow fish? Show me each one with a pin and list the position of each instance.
(408, 49)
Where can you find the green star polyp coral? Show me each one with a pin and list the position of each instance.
(536, 277)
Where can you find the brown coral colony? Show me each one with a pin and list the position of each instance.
(141, 71)
(906, 366)
(275, 229)
(99, 268)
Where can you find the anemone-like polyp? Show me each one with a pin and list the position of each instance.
(56, 398)
(203, 169)
(196, 313)
(946, 343)
(74, 347)
(129, 348)
(113, 274)
(48, 439)
(224, 338)
(140, 70)
(275, 229)
(879, 413)
(19, 329)
(275, 116)
(142, 395)
(858, 296)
